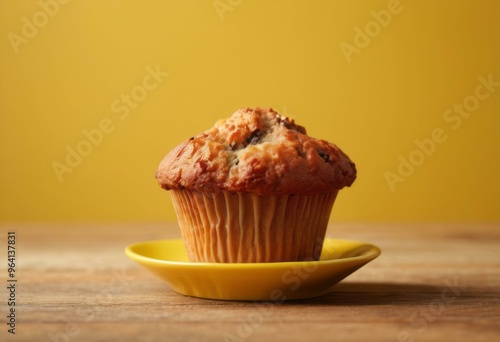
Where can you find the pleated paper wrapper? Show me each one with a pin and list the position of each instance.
(233, 227)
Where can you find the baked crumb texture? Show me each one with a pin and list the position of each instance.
(257, 151)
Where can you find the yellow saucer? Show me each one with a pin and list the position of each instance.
(276, 281)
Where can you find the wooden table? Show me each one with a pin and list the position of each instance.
(432, 283)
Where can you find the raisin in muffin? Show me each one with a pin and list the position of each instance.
(254, 188)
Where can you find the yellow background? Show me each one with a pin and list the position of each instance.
(282, 54)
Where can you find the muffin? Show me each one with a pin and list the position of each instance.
(254, 188)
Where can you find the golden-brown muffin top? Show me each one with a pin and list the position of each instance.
(259, 151)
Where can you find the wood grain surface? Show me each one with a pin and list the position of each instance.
(433, 282)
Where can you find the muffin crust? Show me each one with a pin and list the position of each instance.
(258, 151)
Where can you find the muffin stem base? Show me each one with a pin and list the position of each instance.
(243, 227)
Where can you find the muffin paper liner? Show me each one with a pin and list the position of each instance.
(244, 227)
